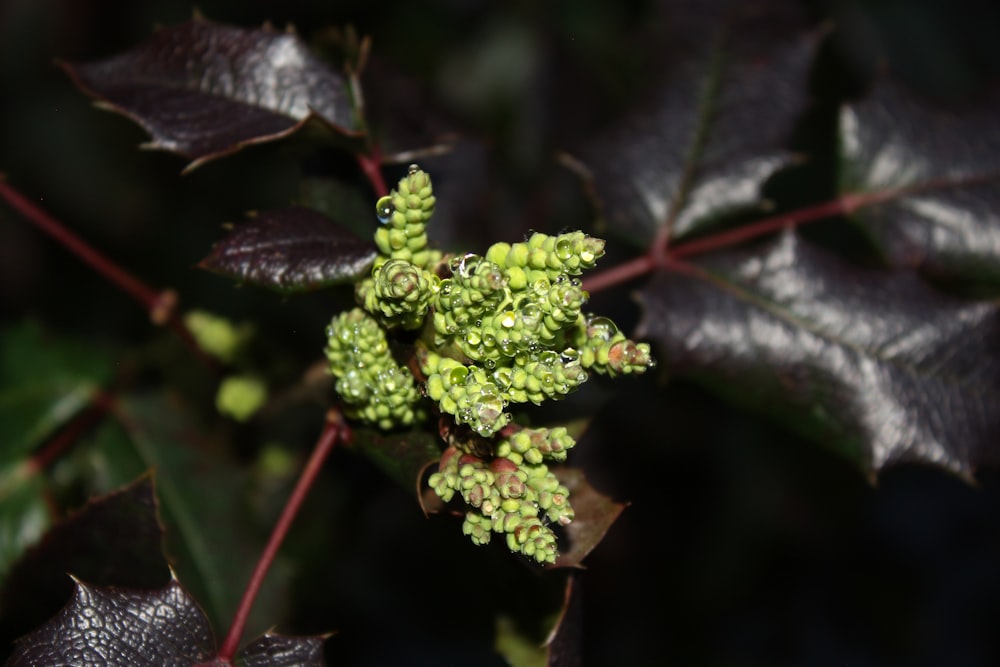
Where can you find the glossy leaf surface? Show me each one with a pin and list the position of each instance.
(946, 160)
(731, 85)
(879, 365)
(291, 250)
(205, 90)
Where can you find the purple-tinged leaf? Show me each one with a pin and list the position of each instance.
(291, 250)
(116, 540)
(119, 626)
(731, 83)
(878, 365)
(205, 90)
(272, 650)
(946, 162)
(594, 514)
(563, 643)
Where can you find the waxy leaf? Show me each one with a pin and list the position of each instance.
(130, 627)
(878, 365)
(205, 90)
(946, 160)
(127, 627)
(116, 539)
(291, 250)
(402, 456)
(731, 86)
(273, 650)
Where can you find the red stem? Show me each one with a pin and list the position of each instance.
(335, 429)
(146, 295)
(661, 256)
(161, 306)
(371, 165)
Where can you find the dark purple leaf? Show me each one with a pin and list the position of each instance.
(114, 540)
(878, 365)
(279, 651)
(594, 512)
(947, 224)
(205, 90)
(730, 84)
(291, 250)
(118, 626)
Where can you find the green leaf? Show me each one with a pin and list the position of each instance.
(401, 456)
(201, 491)
(44, 382)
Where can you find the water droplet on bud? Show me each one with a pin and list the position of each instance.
(384, 209)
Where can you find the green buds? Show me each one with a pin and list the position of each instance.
(486, 332)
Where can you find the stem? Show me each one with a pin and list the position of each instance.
(100, 405)
(371, 165)
(662, 256)
(335, 429)
(161, 305)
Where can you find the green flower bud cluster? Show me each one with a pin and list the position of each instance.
(398, 292)
(371, 383)
(404, 213)
(508, 496)
(606, 350)
(506, 327)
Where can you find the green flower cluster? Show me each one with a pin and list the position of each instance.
(491, 330)
(375, 388)
(510, 495)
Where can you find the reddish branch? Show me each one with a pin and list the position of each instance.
(336, 429)
(161, 305)
(662, 256)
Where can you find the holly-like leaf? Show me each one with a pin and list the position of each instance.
(877, 364)
(116, 539)
(731, 86)
(291, 250)
(119, 626)
(134, 627)
(205, 90)
(271, 650)
(943, 162)
(594, 514)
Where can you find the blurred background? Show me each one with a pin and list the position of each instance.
(742, 544)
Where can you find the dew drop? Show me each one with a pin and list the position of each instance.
(384, 209)
(414, 168)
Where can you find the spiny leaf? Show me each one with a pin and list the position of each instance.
(946, 222)
(116, 539)
(291, 250)
(205, 90)
(163, 627)
(110, 626)
(878, 365)
(272, 650)
(717, 121)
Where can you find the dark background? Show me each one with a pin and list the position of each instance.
(742, 545)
